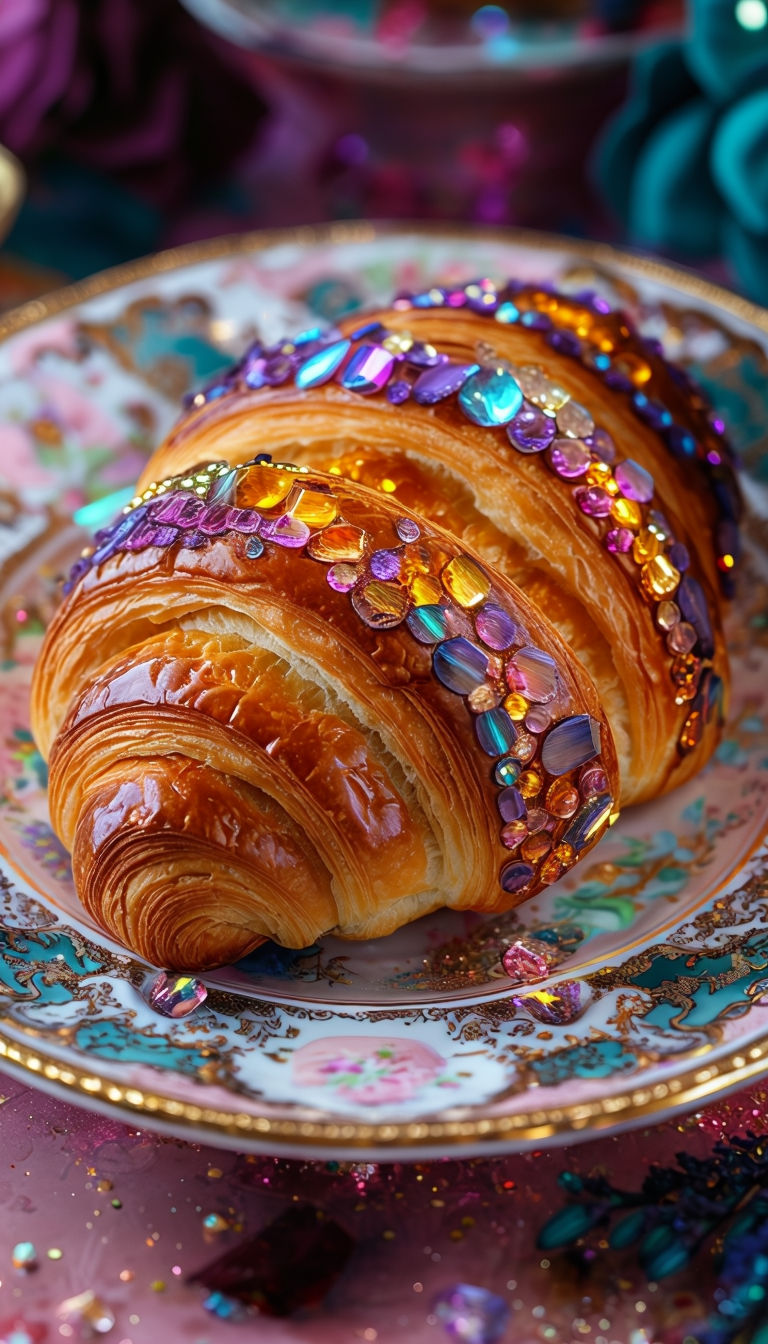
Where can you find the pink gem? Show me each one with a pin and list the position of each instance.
(619, 540)
(175, 995)
(286, 531)
(593, 500)
(342, 577)
(538, 718)
(634, 481)
(681, 638)
(537, 820)
(569, 458)
(593, 781)
(528, 961)
(244, 520)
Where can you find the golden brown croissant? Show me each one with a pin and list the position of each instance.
(278, 702)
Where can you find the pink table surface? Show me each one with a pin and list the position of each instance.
(125, 1208)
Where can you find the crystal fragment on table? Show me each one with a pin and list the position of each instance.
(175, 995)
(470, 1314)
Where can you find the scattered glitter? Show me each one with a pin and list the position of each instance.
(87, 1309)
(471, 1314)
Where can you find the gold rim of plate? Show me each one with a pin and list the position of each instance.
(695, 1084)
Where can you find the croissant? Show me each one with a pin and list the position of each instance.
(419, 658)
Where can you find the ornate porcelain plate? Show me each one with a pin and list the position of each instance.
(658, 996)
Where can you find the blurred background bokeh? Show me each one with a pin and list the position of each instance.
(133, 125)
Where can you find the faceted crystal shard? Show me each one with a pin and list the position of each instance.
(247, 521)
(495, 627)
(533, 672)
(213, 519)
(570, 743)
(175, 995)
(460, 665)
(530, 430)
(495, 731)
(321, 366)
(368, 370)
(466, 582)
(428, 624)
(223, 488)
(436, 384)
(563, 1003)
(491, 397)
(340, 541)
(527, 961)
(592, 818)
(471, 1315)
(634, 481)
(381, 605)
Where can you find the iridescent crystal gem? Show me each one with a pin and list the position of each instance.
(490, 397)
(368, 370)
(381, 605)
(575, 421)
(534, 673)
(507, 313)
(482, 698)
(570, 743)
(530, 430)
(592, 818)
(538, 718)
(525, 747)
(465, 582)
(593, 500)
(563, 1003)
(526, 962)
(386, 564)
(428, 624)
(693, 605)
(659, 524)
(340, 541)
(254, 547)
(471, 1315)
(682, 638)
(506, 771)
(180, 508)
(407, 529)
(223, 488)
(619, 540)
(213, 519)
(435, 384)
(603, 445)
(342, 577)
(562, 798)
(511, 804)
(533, 382)
(321, 366)
(634, 481)
(495, 731)
(513, 834)
(286, 531)
(667, 614)
(495, 627)
(660, 578)
(422, 355)
(538, 819)
(593, 781)
(569, 458)
(460, 665)
(175, 995)
(314, 506)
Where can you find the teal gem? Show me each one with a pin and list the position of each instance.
(254, 547)
(507, 771)
(490, 397)
(506, 313)
(322, 365)
(428, 624)
(495, 731)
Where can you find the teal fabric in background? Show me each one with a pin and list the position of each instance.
(684, 163)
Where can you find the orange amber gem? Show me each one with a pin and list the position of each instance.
(562, 798)
(516, 706)
(316, 508)
(425, 590)
(529, 783)
(466, 582)
(646, 546)
(536, 846)
(550, 870)
(634, 367)
(601, 473)
(342, 541)
(690, 737)
(627, 512)
(659, 577)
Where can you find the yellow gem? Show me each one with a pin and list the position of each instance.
(529, 783)
(388, 486)
(425, 590)
(265, 490)
(601, 473)
(565, 853)
(398, 343)
(646, 546)
(342, 542)
(633, 367)
(554, 397)
(627, 512)
(516, 706)
(466, 582)
(313, 507)
(659, 577)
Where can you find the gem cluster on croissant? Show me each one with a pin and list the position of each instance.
(400, 616)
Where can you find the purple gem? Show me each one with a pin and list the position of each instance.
(634, 481)
(530, 431)
(693, 604)
(460, 665)
(593, 500)
(495, 627)
(471, 1315)
(407, 529)
(243, 520)
(386, 564)
(194, 539)
(617, 380)
(533, 672)
(368, 370)
(603, 445)
(368, 331)
(566, 342)
(619, 540)
(654, 414)
(527, 961)
(570, 743)
(513, 876)
(511, 804)
(165, 535)
(536, 321)
(142, 537)
(562, 1004)
(435, 384)
(569, 458)
(175, 995)
(679, 557)
(422, 356)
(398, 392)
(278, 370)
(181, 509)
(214, 519)
(456, 298)
(254, 370)
(495, 731)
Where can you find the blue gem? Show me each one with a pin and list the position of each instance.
(491, 397)
(254, 548)
(460, 665)
(374, 329)
(693, 604)
(588, 821)
(537, 321)
(223, 488)
(495, 731)
(507, 313)
(470, 1314)
(507, 771)
(428, 624)
(570, 743)
(322, 365)
(512, 877)
(511, 804)
(368, 370)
